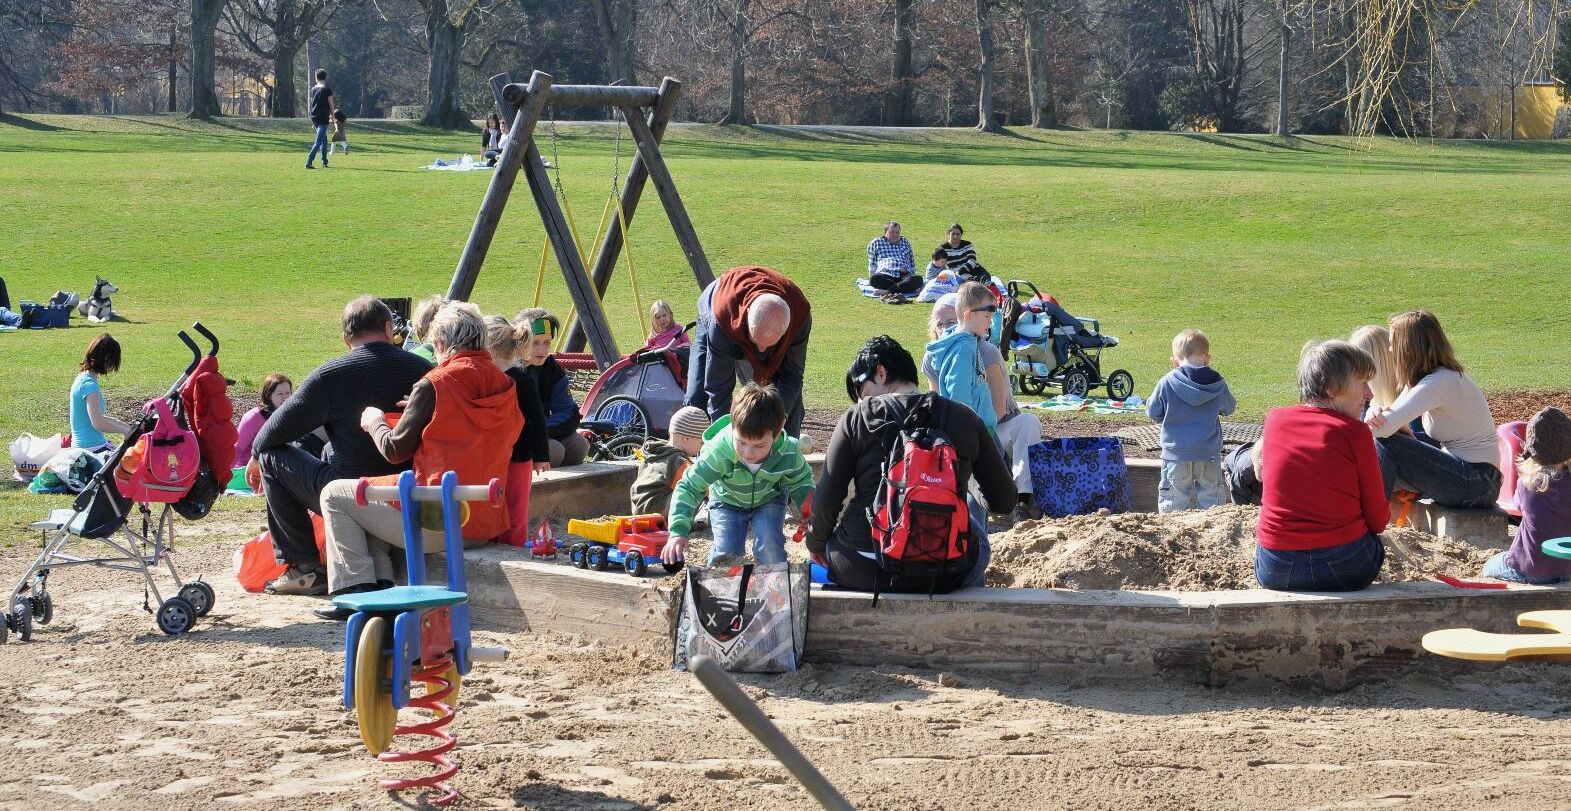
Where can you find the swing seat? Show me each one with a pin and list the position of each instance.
(1478, 646)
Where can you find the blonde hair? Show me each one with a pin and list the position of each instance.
(1190, 342)
(972, 295)
(661, 306)
(460, 327)
(935, 323)
(425, 312)
(1376, 341)
(1537, 476)
(1419, 346)
(504, 338)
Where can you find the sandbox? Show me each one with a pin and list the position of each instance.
(1126, 595)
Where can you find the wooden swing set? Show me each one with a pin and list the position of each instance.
(646, 111)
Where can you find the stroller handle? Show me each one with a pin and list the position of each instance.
(196, 352)
(367, 493)
(207, 334)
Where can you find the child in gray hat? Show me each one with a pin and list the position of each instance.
(1543, 493)
(662, 463)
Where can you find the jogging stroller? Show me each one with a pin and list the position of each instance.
(635, 397)
(1052, 348)
(102, 513)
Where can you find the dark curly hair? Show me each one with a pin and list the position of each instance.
(884, 351)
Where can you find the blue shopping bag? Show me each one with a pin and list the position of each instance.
(1078, 475)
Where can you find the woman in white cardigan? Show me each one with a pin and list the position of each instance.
(1460, 466)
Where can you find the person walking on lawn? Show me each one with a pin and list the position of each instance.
(321, 109)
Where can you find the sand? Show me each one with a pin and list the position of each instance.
(1187, 551)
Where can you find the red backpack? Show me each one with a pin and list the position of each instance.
(919, 519)
(163, 463)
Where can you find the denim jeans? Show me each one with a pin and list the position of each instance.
(1498, 568)
(729, 526)
(1348, 567)
(292, 484)
(1190, 486)
(319, 146)
(1437, 474)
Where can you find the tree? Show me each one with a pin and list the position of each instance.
(289, 23)
(984, 34)
(618, 20)
(446, 22)
(898, 112)
(1039, 76)
(205, 15)
(1215, 89)
(120, 48)
(1284, 40)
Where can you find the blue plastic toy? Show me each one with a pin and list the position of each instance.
(412, 633)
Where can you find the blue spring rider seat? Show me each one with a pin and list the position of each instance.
(417, 632)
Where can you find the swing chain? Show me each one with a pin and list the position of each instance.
(556, 159)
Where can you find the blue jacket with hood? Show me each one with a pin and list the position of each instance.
(1189, 403)
(956, 362)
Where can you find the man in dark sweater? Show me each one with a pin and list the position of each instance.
(321, 106)
(374, 373)
(882, 381)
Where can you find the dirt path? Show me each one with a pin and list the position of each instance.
(104, 711)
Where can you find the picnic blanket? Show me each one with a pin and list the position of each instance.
(1095, 405)
(467, 163)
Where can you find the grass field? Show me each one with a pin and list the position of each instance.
(1262, 242)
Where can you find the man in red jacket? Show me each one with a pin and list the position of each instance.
(753, 324)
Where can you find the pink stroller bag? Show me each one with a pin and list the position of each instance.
(163, 463)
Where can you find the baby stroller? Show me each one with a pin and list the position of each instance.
(634, 399)
(101, 513)
(1055, 349)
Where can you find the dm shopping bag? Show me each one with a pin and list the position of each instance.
(1078, 475)
(29, 453)
(751, 618)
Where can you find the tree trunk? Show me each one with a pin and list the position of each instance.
(283, 95)
(1281, 80)
(174, 75)
(900, 74)
(445, 40)
(738, 111)
(204, 22)
(984, 33)
(618, 20)
(1039, 77)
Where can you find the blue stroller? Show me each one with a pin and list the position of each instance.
(1053, 349)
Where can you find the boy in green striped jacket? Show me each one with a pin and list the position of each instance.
(749, 468)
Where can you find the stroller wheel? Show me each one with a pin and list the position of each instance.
(176, 616)
(1076, 383)
(627, 414)
(1120, 384)
(21, 621)
(1032, 385)
(199, 595)
(43, 608)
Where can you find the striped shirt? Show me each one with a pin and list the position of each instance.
(900, 252)
(962, 260)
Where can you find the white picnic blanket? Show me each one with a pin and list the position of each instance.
(467, 163)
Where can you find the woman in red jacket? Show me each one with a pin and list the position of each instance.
(1324, 503)
(462, 416)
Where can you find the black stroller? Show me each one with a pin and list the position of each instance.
(1055, 349)
(101, 513)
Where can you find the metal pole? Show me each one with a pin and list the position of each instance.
(725, 690)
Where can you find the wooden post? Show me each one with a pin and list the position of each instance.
(579, 285)
(632, 191)
(525, 117)
(649, 149)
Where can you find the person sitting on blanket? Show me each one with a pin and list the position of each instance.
(891, 266)
(90, 420)
(961, 257)
(882, 382)
(464, 398)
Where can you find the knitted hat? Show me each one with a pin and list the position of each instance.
(689, 421)
(1548, 437)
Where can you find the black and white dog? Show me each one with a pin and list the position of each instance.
(97, 308)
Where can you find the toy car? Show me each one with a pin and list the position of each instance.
(629, 541)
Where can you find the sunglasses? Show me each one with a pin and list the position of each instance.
(986, 308)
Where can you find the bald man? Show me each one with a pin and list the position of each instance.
(753, 324)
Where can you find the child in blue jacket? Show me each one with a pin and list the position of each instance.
(1189, 403)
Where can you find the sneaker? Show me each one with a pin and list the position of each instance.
(309, 581)
(309, 166)
(1023, 512)
(335, 613)
(1109, 340)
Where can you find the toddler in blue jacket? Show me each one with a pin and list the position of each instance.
(1189, 403)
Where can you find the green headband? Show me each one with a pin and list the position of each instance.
(540, 326)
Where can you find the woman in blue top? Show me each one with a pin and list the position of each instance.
(89, 423)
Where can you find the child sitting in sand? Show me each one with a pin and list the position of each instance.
(1189, 403)
(663, 463)
(1324, 501)
(750, 467)
(1544, 495)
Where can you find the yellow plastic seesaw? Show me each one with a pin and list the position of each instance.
(1478, 646)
